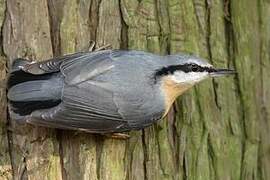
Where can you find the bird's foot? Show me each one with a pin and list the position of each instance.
(93, 47)
(121, 136)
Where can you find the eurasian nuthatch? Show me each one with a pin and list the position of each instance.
(104, 91)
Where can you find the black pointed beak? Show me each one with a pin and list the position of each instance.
(222, 72)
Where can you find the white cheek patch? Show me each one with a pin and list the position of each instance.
(190, 78)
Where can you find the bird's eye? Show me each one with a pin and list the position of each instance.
(194, 68)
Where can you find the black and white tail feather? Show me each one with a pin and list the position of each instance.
(28, 92)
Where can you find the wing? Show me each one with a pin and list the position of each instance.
(84, 106)
(86, 67)
(87, 107)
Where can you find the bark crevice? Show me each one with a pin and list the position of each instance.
(145, 153)
(124, 30)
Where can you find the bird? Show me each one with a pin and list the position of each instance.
(102, 92)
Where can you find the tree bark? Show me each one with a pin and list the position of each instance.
(217, 130)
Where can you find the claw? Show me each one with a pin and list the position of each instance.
(93, 46)
(108, 46)
(120, 136)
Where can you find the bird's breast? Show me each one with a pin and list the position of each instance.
(171, 91)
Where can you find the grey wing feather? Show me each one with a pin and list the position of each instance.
(83, 111)
(50, 65)
(86, 67)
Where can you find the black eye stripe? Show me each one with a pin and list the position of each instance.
(185, 68)
(196, 68)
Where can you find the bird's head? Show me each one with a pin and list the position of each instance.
(189, 70)
(181, 72)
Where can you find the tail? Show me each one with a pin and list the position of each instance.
(28, 92)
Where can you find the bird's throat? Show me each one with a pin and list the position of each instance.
(171, 91)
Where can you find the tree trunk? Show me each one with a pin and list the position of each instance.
(217, 130)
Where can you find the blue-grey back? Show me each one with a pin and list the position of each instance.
(126, 75)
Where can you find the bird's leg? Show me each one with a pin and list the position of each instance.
(91, 46)
(121, 136)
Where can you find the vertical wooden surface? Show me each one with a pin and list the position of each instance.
(218, 130)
